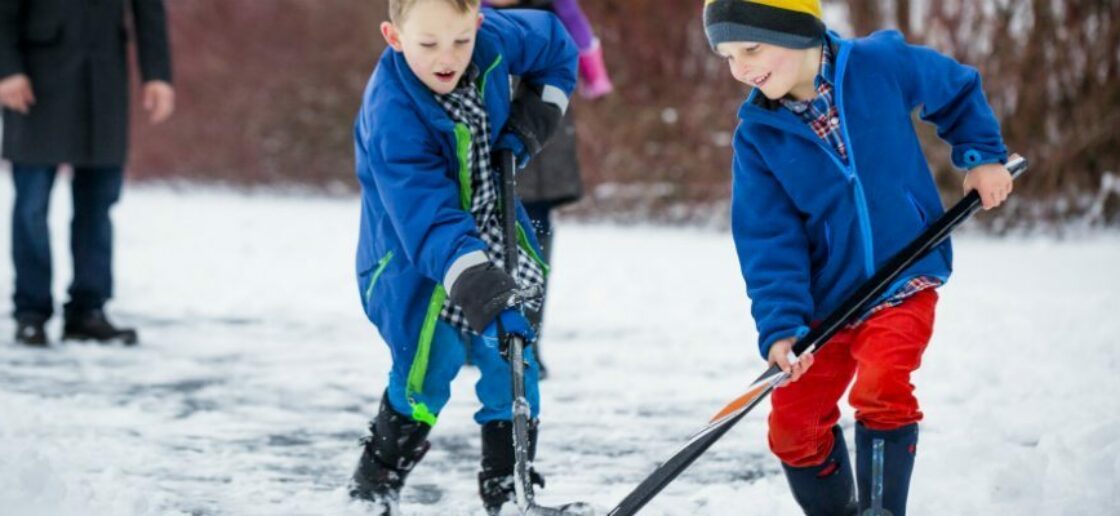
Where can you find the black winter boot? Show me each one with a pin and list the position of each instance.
(31, 330)
(495, 481)
(884, 461)
(396, 443)
(93, 325)
(826, 489)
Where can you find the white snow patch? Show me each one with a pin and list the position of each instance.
(257, 373)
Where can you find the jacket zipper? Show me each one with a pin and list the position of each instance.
(848, 171)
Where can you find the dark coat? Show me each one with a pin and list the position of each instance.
(553, 176)
(74, 52)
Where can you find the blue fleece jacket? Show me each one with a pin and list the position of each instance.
(809, 229)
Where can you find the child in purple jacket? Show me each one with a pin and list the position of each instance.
(594, 81)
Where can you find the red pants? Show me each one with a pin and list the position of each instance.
(881, 353)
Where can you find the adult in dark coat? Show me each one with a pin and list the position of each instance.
(64, 89)
(552, 179)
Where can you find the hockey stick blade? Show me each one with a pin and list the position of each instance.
(568, 509)
(700, 442)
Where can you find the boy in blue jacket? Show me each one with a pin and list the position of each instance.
(430, 251)
(829, 183)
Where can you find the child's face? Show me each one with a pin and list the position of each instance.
(777, 71)
(437, 42)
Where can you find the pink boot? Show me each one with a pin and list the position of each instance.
(593, 71)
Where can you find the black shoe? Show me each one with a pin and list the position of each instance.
(495, 481)
(395, 445)
(93, 325)
(31, 331)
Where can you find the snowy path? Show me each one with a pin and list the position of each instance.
(257, 373)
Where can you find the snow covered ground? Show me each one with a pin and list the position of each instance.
(257, 372)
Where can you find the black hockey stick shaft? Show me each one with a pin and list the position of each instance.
(523, 487)
(817, 337)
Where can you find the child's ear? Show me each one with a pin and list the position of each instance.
(392, 35)
(480, 17)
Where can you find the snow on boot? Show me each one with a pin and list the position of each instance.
(495, 481)
(826, 489)
(396, 443)
(93, 325)
(884, 461)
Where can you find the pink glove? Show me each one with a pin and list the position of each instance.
(593, 71)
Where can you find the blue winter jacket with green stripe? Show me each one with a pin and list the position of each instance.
(415, 179)
(810, 228)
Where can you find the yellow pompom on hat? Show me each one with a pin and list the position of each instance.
(786, 23)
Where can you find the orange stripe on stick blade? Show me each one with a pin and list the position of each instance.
(740, 402)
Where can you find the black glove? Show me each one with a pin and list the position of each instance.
(532, 121)
(483, 291)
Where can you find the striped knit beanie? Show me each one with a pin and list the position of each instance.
(785, 23)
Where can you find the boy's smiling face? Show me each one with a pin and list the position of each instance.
(777, 71)
(437, 42)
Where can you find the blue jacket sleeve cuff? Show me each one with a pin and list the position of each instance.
(764, 345)
(970, 158)
(555, 96)
(509, 141)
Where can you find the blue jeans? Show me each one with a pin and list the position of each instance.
(95, 191)
(447, 355)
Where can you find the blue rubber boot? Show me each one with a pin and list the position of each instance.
(826, 489)
(884, 461)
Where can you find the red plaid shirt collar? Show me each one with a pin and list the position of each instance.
(820, 113)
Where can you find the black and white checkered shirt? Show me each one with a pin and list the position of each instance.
(464, 105)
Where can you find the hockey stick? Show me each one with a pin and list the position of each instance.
(854, 304)
(522, 486)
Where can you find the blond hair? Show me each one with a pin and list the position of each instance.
(398, 9)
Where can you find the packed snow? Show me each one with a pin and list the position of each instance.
(257, 373)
